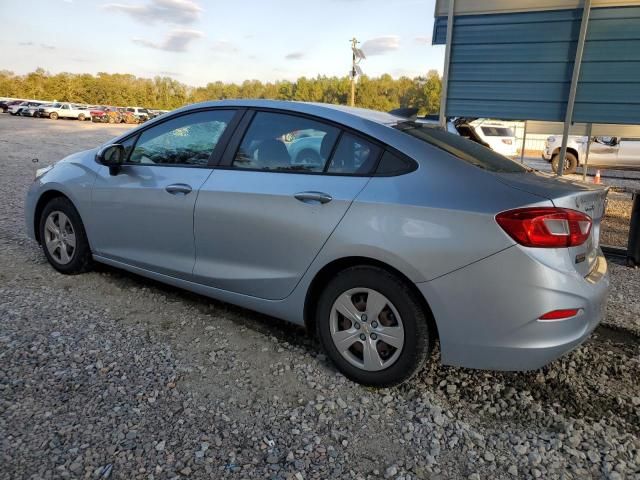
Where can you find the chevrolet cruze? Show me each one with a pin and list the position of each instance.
(379, 233)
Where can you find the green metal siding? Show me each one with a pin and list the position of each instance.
(519, 65)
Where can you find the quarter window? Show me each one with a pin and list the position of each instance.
(185, 140)
(354, 156)
(285, 143)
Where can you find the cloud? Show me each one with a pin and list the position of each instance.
(177, 40)
(423, 40)
(294, 56)
(224, 47)
(381, 45)
(182, 12)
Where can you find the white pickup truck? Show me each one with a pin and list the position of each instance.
(65, 110)
(605, 152)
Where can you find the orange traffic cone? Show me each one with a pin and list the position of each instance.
(596, 179)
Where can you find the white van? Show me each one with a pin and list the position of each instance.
(499, 135)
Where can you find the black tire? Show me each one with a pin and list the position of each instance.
(81, 260)
(81, 117)
(53, 116)
(570, 166)
(418, 337)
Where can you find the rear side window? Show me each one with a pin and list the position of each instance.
(354, 156)
(393, 164)
(467, 150)
(279, 142)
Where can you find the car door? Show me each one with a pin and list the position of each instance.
(143, 216)
(629, 152)
(603, 152)
(267, 210)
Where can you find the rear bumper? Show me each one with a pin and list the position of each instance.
(487, 313)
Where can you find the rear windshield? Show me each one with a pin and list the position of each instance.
(467, 150)
(497, 131)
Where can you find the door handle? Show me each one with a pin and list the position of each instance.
(178, 189)
(311, 197)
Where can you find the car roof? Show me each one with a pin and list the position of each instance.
(337, 113)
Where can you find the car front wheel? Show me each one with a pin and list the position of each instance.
(373, 326)
(570, 163)
(63, 237)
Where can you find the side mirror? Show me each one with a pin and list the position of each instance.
(111, 156)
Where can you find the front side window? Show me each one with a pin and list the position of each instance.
(185, 140)
(354, 156)
(285, 143)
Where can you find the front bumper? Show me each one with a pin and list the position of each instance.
(547, 154)
(487, 313)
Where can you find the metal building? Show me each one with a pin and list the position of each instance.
(553, 60)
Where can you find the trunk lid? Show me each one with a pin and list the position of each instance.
(564, 193)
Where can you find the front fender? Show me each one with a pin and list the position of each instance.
(73, 180)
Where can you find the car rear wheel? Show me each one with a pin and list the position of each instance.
(373, 327)
(53, 116)
(63, 237)
(570, 163)
(81, 117)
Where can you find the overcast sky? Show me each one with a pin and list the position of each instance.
(200, 41)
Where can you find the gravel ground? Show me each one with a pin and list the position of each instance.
(615, 225)
(109, 375)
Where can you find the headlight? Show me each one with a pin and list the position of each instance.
(41, 171)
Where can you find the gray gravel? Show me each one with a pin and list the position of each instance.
(109, 375)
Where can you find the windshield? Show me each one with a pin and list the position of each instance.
(462, 148)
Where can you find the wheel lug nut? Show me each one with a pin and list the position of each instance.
(374, 336)
(363, 317)
(356, 326)
(374, 324)
(363, 337)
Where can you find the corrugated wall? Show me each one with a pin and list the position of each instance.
(519, 65)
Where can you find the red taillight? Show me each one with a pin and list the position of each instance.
(560, 314)
(546, 227)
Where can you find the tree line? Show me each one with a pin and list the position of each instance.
(380, 93)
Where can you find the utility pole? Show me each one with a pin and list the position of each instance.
(357, 56)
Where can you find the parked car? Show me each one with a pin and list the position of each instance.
(604, 152)
(401, 234)
(65, 110)
(6, 104)
(32, 109)
(499, 135)
(17, 108)
(106, 115)
(141, 114)
(157, 113)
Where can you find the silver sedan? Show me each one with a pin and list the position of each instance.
(396, 235)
